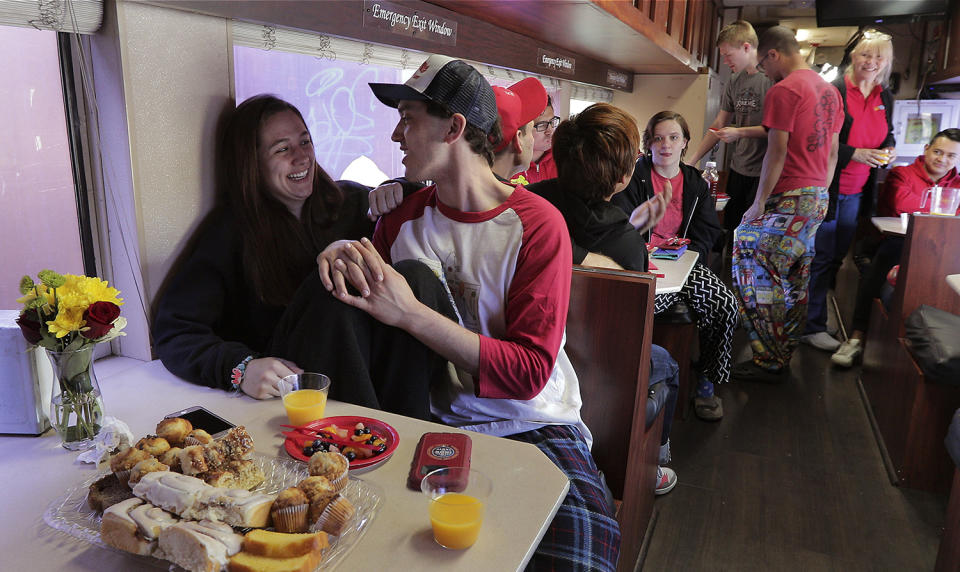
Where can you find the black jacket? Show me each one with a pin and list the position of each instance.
(209, 318)
(596, 227)
(699, 214)
(845, 152)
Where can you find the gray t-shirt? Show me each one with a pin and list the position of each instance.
(743, 97)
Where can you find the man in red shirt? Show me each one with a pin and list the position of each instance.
(903, 192)
(542, 166)
(773, 245)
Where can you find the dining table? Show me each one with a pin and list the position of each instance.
(953, 280)
(673, 274)
(37, 472)
(889, 225)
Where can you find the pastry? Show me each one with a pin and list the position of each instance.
(107, 491)
(335, 517)
(203, 546)
(280, 545)
(193, 460)
(143, 467)
(242, 474)
(289, 511)
(122, 462)
(174, 430)
(133, 526)
(198, 437)
(333, 466)
(156, 446)
(191, 498)
(236, 443)
(171, 458)
(246, 562)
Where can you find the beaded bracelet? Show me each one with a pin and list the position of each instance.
(236, 374)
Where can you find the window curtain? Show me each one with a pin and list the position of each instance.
(70, 16)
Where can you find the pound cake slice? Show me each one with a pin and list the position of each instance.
(246, 562)
(261, 542)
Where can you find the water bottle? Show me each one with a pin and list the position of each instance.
(712, 177)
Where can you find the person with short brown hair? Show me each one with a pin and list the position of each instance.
(742, 106)
(773, 245)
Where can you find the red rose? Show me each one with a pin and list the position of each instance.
(99, 318)
(30, 329)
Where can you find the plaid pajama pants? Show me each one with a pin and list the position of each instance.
(584, 535)
(771, 271)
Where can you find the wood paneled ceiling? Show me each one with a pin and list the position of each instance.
(606, 30)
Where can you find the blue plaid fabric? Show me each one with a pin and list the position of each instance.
(584, 535)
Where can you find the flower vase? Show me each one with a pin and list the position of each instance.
(76, 405)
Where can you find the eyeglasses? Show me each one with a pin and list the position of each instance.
(763, 59)
(541, 126)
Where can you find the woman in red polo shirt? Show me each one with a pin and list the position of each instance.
(866, 143)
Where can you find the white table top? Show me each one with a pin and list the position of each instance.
(528, 488)
(675, 272)
(954, 281)
(891, 225)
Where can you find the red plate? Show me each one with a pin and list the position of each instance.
(349, 422)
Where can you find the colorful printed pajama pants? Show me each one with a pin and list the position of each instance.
(771, 271)
(716, 310)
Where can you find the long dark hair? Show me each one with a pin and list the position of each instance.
(278, 250)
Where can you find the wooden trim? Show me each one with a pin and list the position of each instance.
(476, 39)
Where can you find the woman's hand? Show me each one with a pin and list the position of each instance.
(872, 157)
(651, 211)
(753, 213)
(261, 379)
(347, 252)
(384, 199)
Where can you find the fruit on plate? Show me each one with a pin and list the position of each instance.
(361, 443)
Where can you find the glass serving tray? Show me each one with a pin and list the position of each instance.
(71, 514)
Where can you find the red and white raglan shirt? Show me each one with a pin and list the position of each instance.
(508, 272)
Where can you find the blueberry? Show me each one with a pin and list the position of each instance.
(350, 455)
(358, 431)
(308, 451)
(372, 441)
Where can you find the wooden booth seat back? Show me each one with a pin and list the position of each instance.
(910, 414)
(609, 328)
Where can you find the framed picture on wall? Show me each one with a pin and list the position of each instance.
(914, 123)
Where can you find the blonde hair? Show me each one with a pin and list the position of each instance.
(880, 43)
(737, 34)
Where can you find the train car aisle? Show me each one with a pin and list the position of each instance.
(791, 479)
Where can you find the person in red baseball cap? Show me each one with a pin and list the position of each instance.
(518, 105)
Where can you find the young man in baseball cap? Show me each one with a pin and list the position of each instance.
(504, 255)
(518, 105)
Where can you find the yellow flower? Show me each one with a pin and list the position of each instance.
(68, 320)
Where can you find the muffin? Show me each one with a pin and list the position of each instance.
(171, 458)
(174, 430)
(289, 511)
(198, 437)
(319, 490)
(156, 446)
(333, 466)
(122, 462)
(150, 465)
(335, 517)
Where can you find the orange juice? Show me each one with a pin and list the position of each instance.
(456, 520)
(305, 405)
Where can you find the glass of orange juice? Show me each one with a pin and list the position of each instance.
(304, 396)
(457, 501)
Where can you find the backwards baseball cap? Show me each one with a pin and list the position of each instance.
(518, 105)
(454, 83)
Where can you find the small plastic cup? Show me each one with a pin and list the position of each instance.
(457, 501)
(304, 396)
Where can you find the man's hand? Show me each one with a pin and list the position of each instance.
(753, 213)
(347, 251)
(384, 199)
(651, 211)
(262, 377)
(389, 299)
(728, 134)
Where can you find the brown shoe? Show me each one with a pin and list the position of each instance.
(708, 408)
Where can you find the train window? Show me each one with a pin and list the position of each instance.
(39, 225)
